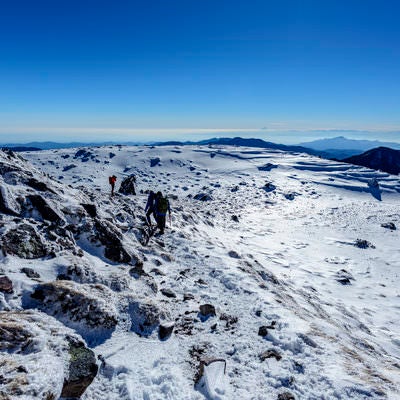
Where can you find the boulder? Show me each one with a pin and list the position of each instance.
(363, 244)
(6, 285)
(165, 331)
(110, 238)
(42, 359)
(271, 353)
(82, 369)
(263, 331)
(286, 396)
(207, 310)
(128, 185)
(30, 273)
(154, 162)
(389, 225)
(23, 242)
(88, 308)
(42, 207)
(145, 317)
(203, 197)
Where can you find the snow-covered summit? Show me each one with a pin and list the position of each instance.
(275, 265)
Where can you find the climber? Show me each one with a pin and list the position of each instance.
(111, 181)
(149, 209)
(161, 206)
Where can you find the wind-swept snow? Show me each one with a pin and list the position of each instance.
(270, 239)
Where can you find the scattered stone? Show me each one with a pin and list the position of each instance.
(233, 254)
(203, 197)
(286, 396)
(30, 273)
(263, 331)
(82, 370)
(23, 242)
(168, 293)
(290, 196)
(344, 277)
(165, 331)
(187, 297)
(128, 185)
(6, 285)
(271, 353)
(235, 218)
(207, 310)
(307, 340)
(267, 167)
(363, 244)
(68, 167)
(269, 187)
(389, 225)
(112, 155)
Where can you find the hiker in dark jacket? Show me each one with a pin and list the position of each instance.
(149, 209)
(161, 206)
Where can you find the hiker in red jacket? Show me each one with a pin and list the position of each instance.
(111, 181)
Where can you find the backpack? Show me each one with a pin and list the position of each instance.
(162, 205)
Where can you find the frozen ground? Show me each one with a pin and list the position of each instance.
(273, 246)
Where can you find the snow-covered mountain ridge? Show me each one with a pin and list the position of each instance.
(287, 248)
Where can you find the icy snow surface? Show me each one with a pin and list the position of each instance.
(263, 256)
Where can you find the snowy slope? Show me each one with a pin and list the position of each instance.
(274, 246)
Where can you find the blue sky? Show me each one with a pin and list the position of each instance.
(130, 70)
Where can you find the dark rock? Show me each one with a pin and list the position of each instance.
(112, 155)
(307, 340)
(68, 167)
(108, 236)
(82, 370)
(267, 167)
(8, 205)
(89, 305)
(235, 218)
(344, 277)
(233, 254)
(145, 317)
(203, 197)
(6, 285)
(207, 310)
(269, 187)
(128, 185)
(154, 161)
(23, 242)
(263, 331)
(168, 293)
(40, 204)
(30, 273)
(188, 296)
(286, 396)
(90, 209)
(271, 353)
(389, 225)
(40, 186)
(165, 331)
(363, 244)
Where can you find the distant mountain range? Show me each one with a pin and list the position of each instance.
(55, 145)
(246, 142)
(340, 147)
(381, 158)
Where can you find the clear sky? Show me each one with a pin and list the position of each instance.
(135, 70)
